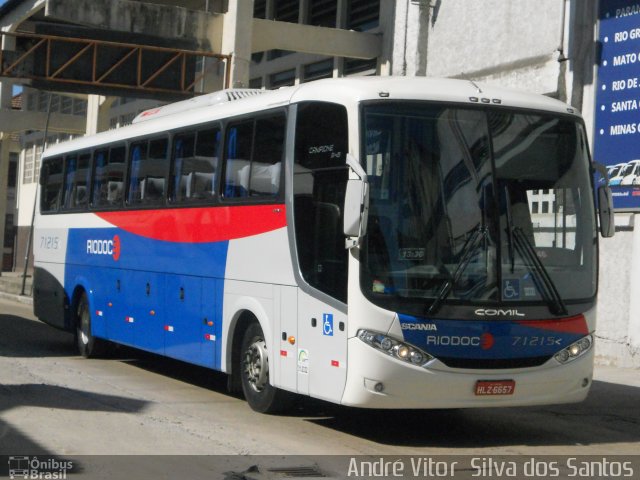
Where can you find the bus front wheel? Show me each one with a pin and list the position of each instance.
(88, 345)
(254, 371)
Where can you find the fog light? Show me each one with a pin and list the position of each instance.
(379, 387)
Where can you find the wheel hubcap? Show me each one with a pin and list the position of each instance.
(256, 365)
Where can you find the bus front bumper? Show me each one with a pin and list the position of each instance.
(376, 380)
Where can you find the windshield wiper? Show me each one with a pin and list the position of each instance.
(468, 250)
(540, 274)
(509, 228)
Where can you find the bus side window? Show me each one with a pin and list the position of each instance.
(238, 159)
(206, 168)
(71, 165)
(147, 181)
(108, 186)
(52, 183)
(195, 161)
(267, 156)
(254, 157)
(77, 181)
(181, 175)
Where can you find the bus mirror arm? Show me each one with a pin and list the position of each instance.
(605, 203)
(356, 204)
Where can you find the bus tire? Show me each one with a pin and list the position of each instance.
(88, 345)
(254, 372)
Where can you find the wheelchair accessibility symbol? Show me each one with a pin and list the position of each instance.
(511, 289)
(327, 324)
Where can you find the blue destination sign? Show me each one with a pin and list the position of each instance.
(617, 115)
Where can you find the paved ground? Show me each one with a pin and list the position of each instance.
(55, 403)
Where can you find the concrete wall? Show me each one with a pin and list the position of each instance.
(514, 43)
(618, 331)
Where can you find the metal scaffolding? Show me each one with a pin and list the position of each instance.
(106, 64)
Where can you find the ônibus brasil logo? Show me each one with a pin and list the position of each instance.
(105, 247)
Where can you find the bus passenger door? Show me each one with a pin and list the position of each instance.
(183, 321)
(322, 352)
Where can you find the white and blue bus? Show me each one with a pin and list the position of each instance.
(366, 241)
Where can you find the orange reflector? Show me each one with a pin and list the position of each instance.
(152, 313)
(110, 304)
(210, 323)
(292, 340)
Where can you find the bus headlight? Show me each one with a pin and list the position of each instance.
(394, 348)
(575, 350)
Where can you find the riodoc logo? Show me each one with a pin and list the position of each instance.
(484, 341)
(105, 247)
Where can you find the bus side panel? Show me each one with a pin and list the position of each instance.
(322, 349)
(119, 326)
(286, 337)
(183, 321)
(104, 297)
(144, 299)
(138, 301)
(50, 301)
(211, 314)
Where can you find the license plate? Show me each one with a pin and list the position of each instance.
(495, 387)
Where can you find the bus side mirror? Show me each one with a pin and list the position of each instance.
(605, 212)
(356, 204)
(605, 203)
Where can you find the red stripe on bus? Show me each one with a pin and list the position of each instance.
(199, 225)
(577, 325)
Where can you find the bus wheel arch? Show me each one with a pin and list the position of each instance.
(239, 325)
(88, 345)
(250, 357)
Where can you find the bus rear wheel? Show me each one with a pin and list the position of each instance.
(254, 372)
(88, 345)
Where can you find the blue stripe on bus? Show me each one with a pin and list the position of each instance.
(489, 340)
(135, 302)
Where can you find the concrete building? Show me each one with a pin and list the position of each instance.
(10, 224)
(547, 47)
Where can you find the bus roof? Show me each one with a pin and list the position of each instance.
(347, 91)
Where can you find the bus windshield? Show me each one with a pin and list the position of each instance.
(473, 206)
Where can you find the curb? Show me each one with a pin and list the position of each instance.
(16, 298)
